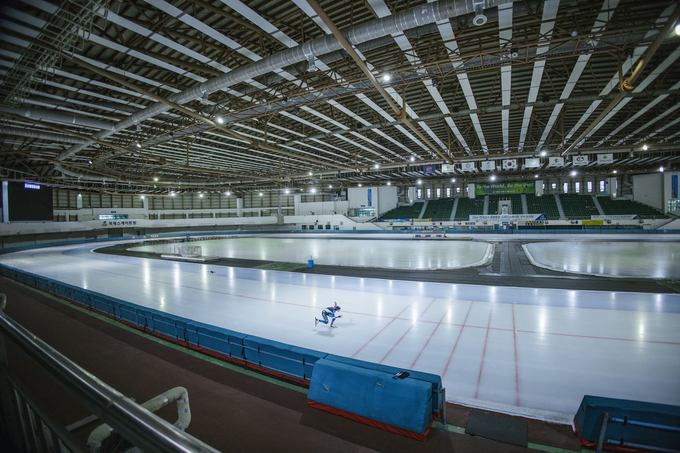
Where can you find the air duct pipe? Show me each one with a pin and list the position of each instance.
(57, 117)
(179, 394)
(41, 135)
(405, 20)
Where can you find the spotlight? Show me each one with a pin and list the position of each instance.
(661, 169)
(287, 191)
(200, 195)
(677, 29)
(419, 182)
(227, 193)
(386, 77)
(142, 197)
(389, 183)
(615, 171)
(645, 147)
(313, 190)
(413, 159)
(330, 186)
(155, 179)
(359, 184)
(138, 145)
(376, 166)
(573, 173)
(493, 177)
(535, 176)
(261, 194)
(544, 153)
(220, 120)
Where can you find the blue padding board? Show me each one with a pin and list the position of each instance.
(592, 409)
(223, 341)
(404, 403)
(309, 358)
(434, 380)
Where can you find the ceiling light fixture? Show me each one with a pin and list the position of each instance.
(573, 173)
(138, 145)
(386, 77)
(359, 184)
(413, 159)
(419, 182)
(389, 183)
(661, 169)
(376, 166)
(615, 171)
(220, 120)
(493, 177)
(677, 29)
(544, 153)
(645, 147)
(453, 179)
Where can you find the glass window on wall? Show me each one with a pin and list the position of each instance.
(553, 186)
(429, 193)
(439, 193)
(420, 194)
(589, 186)
(448, 192)
(565, 187)
(602, 186)
(577, 187)
(457, 189)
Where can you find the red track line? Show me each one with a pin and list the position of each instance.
(428, 340)
(457, 339)
(486, 341)
(381, 330)
(407, 331)
(514, 338)
(599, 338)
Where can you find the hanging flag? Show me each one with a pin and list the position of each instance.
(488, 165)
(603, 159)
(510, 164)
(467, 166)
(533, 162)
(577, 161)
(428, 169)
(556, 162)
(446, 168)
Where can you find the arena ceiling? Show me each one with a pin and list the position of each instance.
(148, 96)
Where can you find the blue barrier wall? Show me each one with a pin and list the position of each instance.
(633, 424)
(401, 403)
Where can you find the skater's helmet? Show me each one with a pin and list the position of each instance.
(337, 307)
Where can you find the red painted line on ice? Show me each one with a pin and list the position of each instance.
(457, 339)
(381, 330)
(428, 340)
(486, 341)
(514, 338)
(407, 331)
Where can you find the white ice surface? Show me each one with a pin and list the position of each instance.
(534, 352)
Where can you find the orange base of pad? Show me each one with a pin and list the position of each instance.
(591, 444)
(368, 421)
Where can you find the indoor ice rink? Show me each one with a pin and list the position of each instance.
(525, 351)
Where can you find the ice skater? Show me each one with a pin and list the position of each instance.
(329, 313)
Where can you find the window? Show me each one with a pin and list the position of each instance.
(589, 185)
(448, 192)
(457, 189)
(439, 193)
(602, 186)
(420, 194)
(565, 187)
(429, 193)
(553, 186)
(577, 187)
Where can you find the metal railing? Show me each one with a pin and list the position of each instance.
(36, 431)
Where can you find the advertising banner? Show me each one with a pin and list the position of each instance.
(370, 197)
(428, 169)
(446, 168)
(674, 187)
(615, 217)
(509, 217)
(533, 162)
(505, 188)
(556, 162)
(603, 159)
(579, 160)
(488, 165)
(467, 166)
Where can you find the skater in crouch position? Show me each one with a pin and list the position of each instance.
(329, 313)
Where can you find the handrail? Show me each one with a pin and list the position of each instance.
(136, 424)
